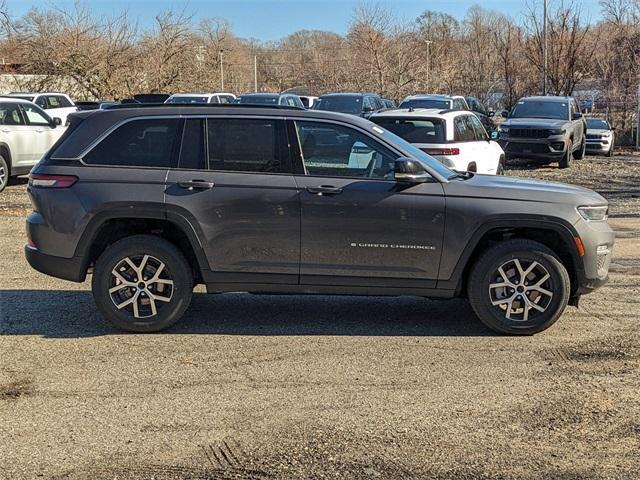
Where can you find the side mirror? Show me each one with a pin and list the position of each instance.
(494, 135)
(367, 109)
(409, 170)
(504, 113)
(55, 122)
(576, 116)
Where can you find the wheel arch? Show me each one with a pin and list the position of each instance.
(5, 151)
(554, 233)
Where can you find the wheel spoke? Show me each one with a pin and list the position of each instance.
(128, 301)
(158, 297)
(117, 288)
(516, 262)
(541, 290)
(143, 264)
(156, 276)
(541, 281)
(136, 310)
(536, 306)
(500, 284)
(529, 269)
(122, 280)
(152, 304)
(133, 267)
(504, 276)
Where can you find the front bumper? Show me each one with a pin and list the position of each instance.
(598, 146)
(72, 269)
(598, 239)
(534, 148)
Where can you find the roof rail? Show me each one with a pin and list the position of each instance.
(199, 105)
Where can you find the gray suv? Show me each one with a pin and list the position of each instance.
(155, 200)
(544, 128)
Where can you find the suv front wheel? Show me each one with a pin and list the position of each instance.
(142, 283)
(518, 287)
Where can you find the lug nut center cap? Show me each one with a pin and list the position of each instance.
(141, 285)
(520, 288)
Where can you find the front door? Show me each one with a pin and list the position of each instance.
(360, 226)
(40, 132)
(234, 185)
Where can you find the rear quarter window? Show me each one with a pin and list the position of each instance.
(138, 143)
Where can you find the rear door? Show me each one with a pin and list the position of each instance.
(234, 187)
(359, 226)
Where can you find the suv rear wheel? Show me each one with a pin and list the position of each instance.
(142, 283)
(4, 173)
(518, 287)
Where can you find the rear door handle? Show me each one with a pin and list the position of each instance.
(324, 190)
(196, 185)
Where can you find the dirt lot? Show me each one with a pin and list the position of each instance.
(322, 387)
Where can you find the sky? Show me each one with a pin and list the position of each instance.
(270, 20)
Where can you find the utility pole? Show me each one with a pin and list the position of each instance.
(428, 42)
(221, 73)
(638, 121)
(255, 73)
(544, 49)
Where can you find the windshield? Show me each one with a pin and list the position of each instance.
(193, 99)
(416, 153)
(422, 130)
(540, 109)
(597, 124)
(426, 103)
(342, 104)
(259, 99)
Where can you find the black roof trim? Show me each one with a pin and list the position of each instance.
(199, 105)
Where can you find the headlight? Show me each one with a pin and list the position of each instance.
(557, 131)
(594, 213)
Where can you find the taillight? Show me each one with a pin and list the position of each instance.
(52, 181)
(441, 151)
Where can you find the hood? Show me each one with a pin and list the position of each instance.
(534, 122)
(500, 187)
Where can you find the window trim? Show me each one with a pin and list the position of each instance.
(300, 160)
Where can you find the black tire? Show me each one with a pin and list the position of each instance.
(565, 161)
(176, 270)
(4, 173)
(583, 149)
(610, 151)
(485, 272)
(501, 164)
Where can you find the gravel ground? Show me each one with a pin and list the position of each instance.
(316, 387)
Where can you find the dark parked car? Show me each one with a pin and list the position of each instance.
(360, 104)
(286, 99)
(544, 128)
(155, 200)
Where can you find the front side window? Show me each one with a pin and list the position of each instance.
(10, 114)
(36, 116)
(336, 151)
(246, 145)
(138, 143)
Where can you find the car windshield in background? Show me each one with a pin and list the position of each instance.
(540, 109)
(188, 100)
(426, 103)
(416, 153)
(597, 124)
(342, 104)
(259, 99)
(421, 130)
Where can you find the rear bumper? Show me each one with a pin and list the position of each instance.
(71, 269)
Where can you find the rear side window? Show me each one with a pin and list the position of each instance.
(246, 145)
(10, 114)
(423, 130)
(462, 130)
(42, 102)
(138, 143)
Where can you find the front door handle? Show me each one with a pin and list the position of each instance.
(5, 130)
(324, 190)
(196, 185)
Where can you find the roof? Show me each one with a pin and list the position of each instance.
(436, 96)
(200, 94)
(15, 94)
(12, 99)
(263, 94)
(419, 113)
(546, 98)
(347, 94)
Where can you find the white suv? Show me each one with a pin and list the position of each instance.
(26, 133)
(56, 104)
(455, 138)
(201, 98)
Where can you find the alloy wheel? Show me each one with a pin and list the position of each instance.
(3, 177)
(521, 289)
(141, 285)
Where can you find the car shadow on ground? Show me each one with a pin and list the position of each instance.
(72, 314)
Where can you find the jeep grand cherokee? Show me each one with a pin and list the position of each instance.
(154, 200)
